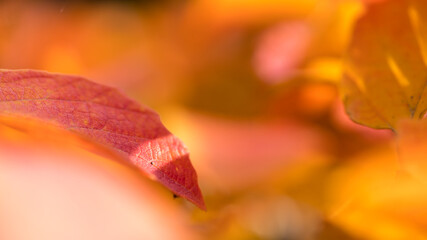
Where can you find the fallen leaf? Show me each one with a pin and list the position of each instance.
(106, 116)
(385, 70)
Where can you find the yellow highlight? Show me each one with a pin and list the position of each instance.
(325, 69)
(415, 21)
(356, 78)
(403, 81)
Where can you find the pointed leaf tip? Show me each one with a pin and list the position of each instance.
(105, 116)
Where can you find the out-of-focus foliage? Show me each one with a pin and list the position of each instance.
(253, 89)
(411, 145)
(385, 70)
(54, 187)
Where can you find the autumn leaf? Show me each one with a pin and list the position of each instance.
(106, 116)
(371, 189)
(52, 187)
(385, 69)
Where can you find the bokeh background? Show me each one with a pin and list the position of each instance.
(252, 88)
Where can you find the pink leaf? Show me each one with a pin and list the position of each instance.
(53, 187)
(106, 116)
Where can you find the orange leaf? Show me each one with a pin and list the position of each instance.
(385, 70)
(106, 116)
(372, 190)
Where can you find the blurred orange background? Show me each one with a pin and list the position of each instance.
(252, 89)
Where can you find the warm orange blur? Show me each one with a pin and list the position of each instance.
(251, 87)
(52, 187)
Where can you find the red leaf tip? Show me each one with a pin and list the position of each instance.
(106, 116)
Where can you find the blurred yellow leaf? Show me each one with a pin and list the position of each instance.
(373, 198)
(385, 70)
